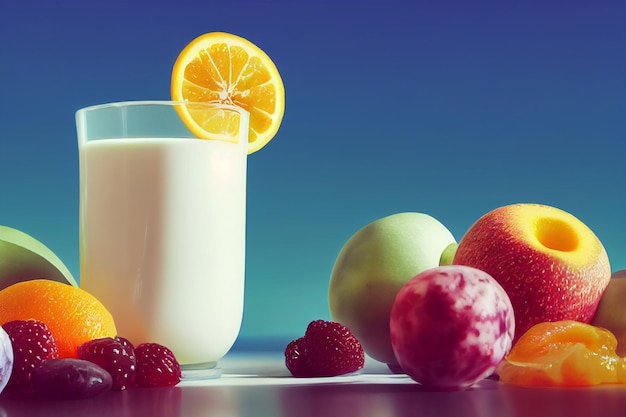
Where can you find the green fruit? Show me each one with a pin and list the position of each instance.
(448, 254)
(23, 258)
(372, 267)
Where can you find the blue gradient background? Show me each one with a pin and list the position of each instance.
(450, 108)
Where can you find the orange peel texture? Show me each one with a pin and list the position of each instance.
(73, 315)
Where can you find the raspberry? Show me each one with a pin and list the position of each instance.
(326, 349)
(125, 342)
(156, 366)
(32, 344)
(116, 356)
(294, 358)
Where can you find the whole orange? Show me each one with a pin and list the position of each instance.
(73, 315)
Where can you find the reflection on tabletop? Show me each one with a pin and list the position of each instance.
(260, 385)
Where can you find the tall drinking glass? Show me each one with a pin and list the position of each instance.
(162, 225)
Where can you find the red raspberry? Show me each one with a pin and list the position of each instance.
(116, 356)
(32, 344)
(326, 349)
(125, 342)
(294, 358)
(156, 366)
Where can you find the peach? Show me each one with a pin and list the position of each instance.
(611, 313)
(552, 266)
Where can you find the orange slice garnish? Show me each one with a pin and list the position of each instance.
(223, 68)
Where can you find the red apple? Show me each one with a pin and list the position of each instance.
(450, 326)
(552, 266)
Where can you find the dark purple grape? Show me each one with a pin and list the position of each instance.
(69, 379)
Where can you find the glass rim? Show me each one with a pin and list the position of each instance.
(131, 103)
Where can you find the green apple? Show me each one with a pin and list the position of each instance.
(22, 258)
(448, 254)
(371, 268)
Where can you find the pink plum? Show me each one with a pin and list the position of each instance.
(450, 326)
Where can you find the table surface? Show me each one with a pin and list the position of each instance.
(258, 384)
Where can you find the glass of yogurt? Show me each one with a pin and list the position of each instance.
(162, 224)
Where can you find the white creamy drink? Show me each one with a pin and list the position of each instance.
(163, 240)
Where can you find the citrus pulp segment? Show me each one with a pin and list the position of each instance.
(219, 67)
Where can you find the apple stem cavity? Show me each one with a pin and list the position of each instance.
(556, 234)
